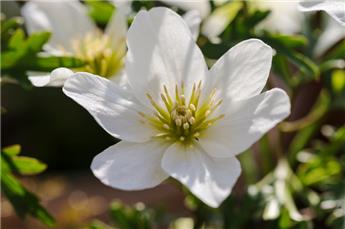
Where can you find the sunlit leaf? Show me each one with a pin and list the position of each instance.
(24, 202)
(338, 81)
(12, 150)
(100, 11)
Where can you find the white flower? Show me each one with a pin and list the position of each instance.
(75, 34)
(202, 6)
(335, 8)
(284, 16)
(334, 29)
(177, 118)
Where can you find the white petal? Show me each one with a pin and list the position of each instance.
(333, 33)
(161, 50)
(67, 20)
(117, 29)
(55, 79)
(130, 166)
(284, 16)
(210, 179)
(242, 71)
(245, 122)
(202, 6)
(335, 8)
(112, 107)
(123, 5)
(193, 20)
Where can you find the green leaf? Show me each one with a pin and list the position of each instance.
(17, 40)
(225, 14)
(20, 164)
(28, 166)
(337, 52)
(256, 17)
(318, 169)
(7, 28)
(36, 41)
(337, 142)
(50, 63)
(12, 150)
(305, 65)
(290, 41)
(100, 11)
(24, 202)
(96, 224)
(338, 81)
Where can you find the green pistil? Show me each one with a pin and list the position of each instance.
(180, 120)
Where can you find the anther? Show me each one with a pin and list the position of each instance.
(166, 126)
(178, 122)
(192, 107)
(207, 112)
(191, 120)
(182, 138)
(185, 125)
(196, 134)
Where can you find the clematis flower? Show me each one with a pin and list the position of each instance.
(177, 118)
(284, 16)
(334, 29)
(335, 8)
(75, 34)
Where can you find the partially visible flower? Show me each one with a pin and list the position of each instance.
(334, 29)
(202, 6)
(335, 8)
(177, 118)
(75, 34)
(283, 18)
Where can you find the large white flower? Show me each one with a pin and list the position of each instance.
(335, 8)
(177, 118)
(75, 34)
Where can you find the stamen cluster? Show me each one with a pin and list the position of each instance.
(180, 119)
(100, 55)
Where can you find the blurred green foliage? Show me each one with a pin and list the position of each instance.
(21, 53)
(24, 202)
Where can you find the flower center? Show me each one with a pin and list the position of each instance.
(100, 55)
(180, 119)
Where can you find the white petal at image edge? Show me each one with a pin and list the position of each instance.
(131, 166)
(335, 8)
(210, 179)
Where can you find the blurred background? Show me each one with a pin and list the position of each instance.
(309, 147)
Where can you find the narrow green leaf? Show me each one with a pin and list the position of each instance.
(28, 166)
(12, 150)
(24, 202)
(36, 41)
(16, 42)
(100, 11)
(50, 63)
(306, 65)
